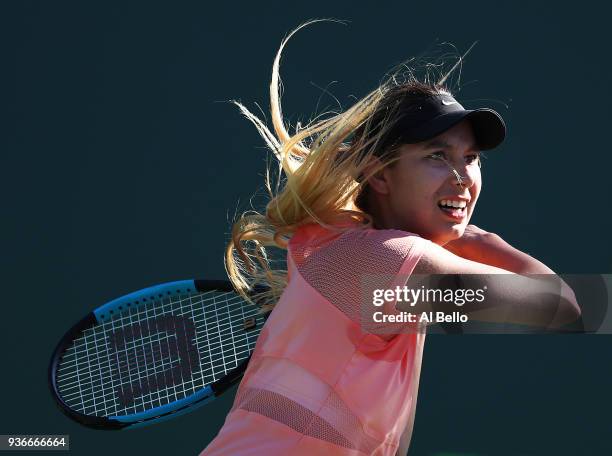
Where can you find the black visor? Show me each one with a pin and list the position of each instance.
(433, 115)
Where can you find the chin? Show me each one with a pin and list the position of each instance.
(457, 231)
(447, 235)
(436, 232)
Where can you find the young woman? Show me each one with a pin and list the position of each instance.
(369, 197)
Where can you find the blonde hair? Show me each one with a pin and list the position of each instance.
(320, 175)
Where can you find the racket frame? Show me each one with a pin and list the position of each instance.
(104, 314)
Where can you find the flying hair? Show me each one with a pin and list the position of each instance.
(322, 170)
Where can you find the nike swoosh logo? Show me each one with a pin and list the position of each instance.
(448, 103)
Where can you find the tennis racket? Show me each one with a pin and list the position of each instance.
(154, 354)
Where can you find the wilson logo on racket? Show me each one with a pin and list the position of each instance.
(180, 355)
(154, 354)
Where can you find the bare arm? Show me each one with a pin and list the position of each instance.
(481, 252)
(488, 248)
(541, 300)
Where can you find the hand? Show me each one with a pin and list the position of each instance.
(485, 247)
(467, 245)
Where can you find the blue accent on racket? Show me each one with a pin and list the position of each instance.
(154, 354)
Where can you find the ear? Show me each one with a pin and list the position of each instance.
(377, 176)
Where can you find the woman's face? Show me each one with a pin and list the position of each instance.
(410, 192)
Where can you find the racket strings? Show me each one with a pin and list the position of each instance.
(126, 318)
(144, 367)
(241, 349)
(109, 395)
(133, 379)
(144, 355)
(105, 367)
(100, 332)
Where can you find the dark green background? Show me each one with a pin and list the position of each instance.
(121, 168)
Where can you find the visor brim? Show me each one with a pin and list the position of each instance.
(488, 127)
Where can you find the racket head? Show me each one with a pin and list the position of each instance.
(154, 354)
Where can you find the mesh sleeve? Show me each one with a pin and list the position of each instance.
(343, 269)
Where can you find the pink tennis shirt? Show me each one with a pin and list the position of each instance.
(317, 382)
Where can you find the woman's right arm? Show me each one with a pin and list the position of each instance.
(485, 261)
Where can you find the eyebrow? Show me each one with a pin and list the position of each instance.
(438, 144)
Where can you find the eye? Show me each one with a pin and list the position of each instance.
(472, 158)
(439, 155)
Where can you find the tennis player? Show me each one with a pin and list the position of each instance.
(384, 190)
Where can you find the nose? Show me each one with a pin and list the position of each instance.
(461, 175)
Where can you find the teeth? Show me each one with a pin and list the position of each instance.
(450, 203)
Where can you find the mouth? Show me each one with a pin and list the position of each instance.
(455, 209)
